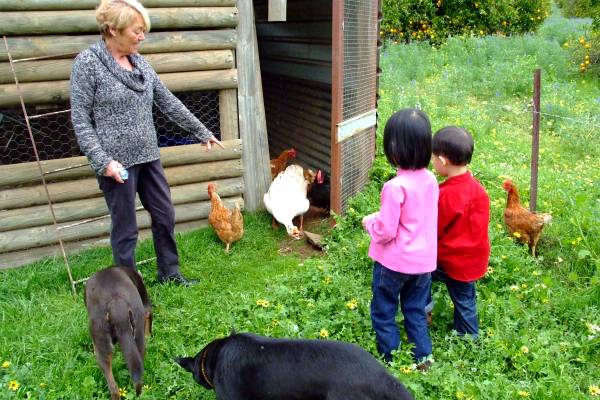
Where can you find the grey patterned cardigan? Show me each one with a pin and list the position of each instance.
(111, 109)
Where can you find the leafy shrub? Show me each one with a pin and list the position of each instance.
(580, 8)
(435, 20)
(586, 49)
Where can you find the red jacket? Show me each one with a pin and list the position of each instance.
(463, 219)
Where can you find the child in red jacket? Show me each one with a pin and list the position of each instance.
(463, 219)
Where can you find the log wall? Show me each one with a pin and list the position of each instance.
(27, 230)
(192, 46)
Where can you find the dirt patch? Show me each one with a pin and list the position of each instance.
(316, 221)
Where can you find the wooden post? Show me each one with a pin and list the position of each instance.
(228, 114)
(253, 124)
(337, 88)
(535, 139)
(277, 10)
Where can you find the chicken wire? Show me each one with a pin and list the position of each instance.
(54, 136)
(361, 32)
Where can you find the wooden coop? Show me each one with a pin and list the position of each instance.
(314, 63)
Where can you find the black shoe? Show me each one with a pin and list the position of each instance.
(177, 279)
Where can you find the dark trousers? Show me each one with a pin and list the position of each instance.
(149, 182)
(411, 291)
(464, 298)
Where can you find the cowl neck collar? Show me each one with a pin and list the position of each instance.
(135, 80)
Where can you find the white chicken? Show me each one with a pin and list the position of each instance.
(286, 198)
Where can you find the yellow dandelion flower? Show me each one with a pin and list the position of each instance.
(6, 364)
(122, 392)
(406, 370)
(545, 301)
(352, 304)
(274, 322)
(14, 385)
(498, 226)
(524, 349)
(516, 234)
(327, 280)
(582, 40)
(594, 390)
(523, 393)
(324, 333)
(536, 273)
(503, 257)
(262, 303)
(460, 395)
(42, 385)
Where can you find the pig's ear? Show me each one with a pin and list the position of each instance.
(186, 363)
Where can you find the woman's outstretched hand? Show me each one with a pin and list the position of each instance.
(212, 140)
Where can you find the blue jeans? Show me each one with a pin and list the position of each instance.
(411, 291)
(464, 298)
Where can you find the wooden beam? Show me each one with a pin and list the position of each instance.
(45, 235)
(78, 210)
(52, 70)
(24, 257)
(67, 46)
(49, 5)
(253, 125)
(58, 91)
(78, 167)
(84, 21)
(228, 114)
(87, 188)
(277, 10)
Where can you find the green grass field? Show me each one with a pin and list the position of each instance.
(539, 318)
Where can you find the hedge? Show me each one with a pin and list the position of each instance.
(435, 20)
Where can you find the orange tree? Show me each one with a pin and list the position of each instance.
(434, 20)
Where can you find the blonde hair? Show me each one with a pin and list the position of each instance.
(119, 14)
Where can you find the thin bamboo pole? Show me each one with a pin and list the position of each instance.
(37, 157)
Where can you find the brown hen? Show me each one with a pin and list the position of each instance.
(280, 163)
(228, 225)
(525, 225)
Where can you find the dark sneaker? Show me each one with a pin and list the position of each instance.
(177, 280)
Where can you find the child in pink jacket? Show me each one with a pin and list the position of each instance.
(404, 237)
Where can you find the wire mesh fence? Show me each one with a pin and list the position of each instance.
(55, 138)
(359, 92)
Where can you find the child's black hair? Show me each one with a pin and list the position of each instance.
(407, 139)
(454, 143)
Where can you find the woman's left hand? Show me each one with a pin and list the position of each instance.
(214, 140)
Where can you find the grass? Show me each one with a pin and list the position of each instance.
(539, 318)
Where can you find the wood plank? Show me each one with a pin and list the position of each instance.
(48, 5)
(87, 188)
(58, 91)
(23, 257)
(84, 21)
(52, 70)
(79, 210)
(156, 42)
(228, 114)
(28, 173)
(277, 10)
(253, 125)
(46, 235)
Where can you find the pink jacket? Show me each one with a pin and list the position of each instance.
(404, 231)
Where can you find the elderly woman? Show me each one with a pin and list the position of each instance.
(113, 89)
